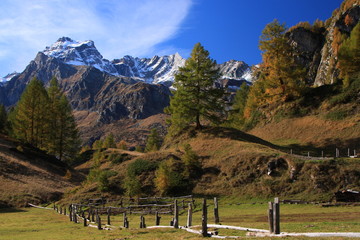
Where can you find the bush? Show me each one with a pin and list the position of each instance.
(139, 165)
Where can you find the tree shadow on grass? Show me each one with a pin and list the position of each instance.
(11, 210)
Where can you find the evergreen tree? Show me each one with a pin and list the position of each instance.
(63, 139)
(349, 57)
(236, 117)
(191, 161)
(3, 118)
(109, 142)
(153, 141)
(69, 142)
(282, 75)
(31, 123)
(196, 96)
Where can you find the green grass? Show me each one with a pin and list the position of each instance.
(46, 224)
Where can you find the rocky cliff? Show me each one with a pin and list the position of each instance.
(316, 47)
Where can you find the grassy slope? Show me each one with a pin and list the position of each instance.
(46, 224)
(29, 175)
(235, 163)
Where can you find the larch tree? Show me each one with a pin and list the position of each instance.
(283, 76)
(31, 120)
(63, 139)
(196, 96)
(153, 141)
(349, 57)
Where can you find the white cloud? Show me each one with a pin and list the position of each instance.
(118, 27)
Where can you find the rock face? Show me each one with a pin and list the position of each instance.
(92, 90)
(103, 92)
(317, 50)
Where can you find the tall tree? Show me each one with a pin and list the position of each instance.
(196, 96)
(3, 118)
(63, 139)
(31, 123)
(283, 76)
(153, 141)
(349, 57)
(236, 117)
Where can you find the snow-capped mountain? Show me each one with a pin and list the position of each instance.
(79, 53)
(151, 70)
(8, 77)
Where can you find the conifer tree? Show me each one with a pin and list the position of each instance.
(236, 117)
(3, 118)
(31, 123)
(153, 141)
(282, 75)
(63, 139)
(196, 96)
(349, 57)
(109, 142)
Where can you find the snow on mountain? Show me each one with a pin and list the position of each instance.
(151, 70)
(79, 53)
(8, 77)
(237, 70)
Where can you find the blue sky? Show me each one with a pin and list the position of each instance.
(229, 29)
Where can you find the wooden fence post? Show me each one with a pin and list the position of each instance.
(142, 222)
(176, 215)
(60, 210)
(70, 214)
(189, 217)
(157, 219)
(108, 216)
(65, 211)
(89, 213)
(83, 215)
(74, 215)
(216, 211)
(271, 217)
(98, 218)
(92, 215)
(276, 212)
(204, 219)
(124, 219)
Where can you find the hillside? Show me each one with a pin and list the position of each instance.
(233, 163)
(28, 175)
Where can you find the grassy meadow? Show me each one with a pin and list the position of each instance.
(32, 223)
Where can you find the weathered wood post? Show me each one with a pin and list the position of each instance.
(75, 215)
(271, 217)
(142, 222)
(157, 219)
(65, 211)
(98, 219)
(84, 218)
(189, 217)
(89, 213)
(97, 213)
(204, 219)
(276, 212)
(308, 154)
(322, 154)
(60, 210)
(108, 216)
(54, 206)
(92, 215)
(216, 211)
(176, 214)
(124, 219)
(348, 152)
(290, 151)
(70, 213)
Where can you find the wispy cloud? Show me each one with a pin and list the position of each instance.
(118, 27)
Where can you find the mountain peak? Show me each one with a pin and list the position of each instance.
(79, 53)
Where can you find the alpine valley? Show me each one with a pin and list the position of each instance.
(120, 96)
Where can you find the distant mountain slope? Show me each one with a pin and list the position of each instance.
(28, 175)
